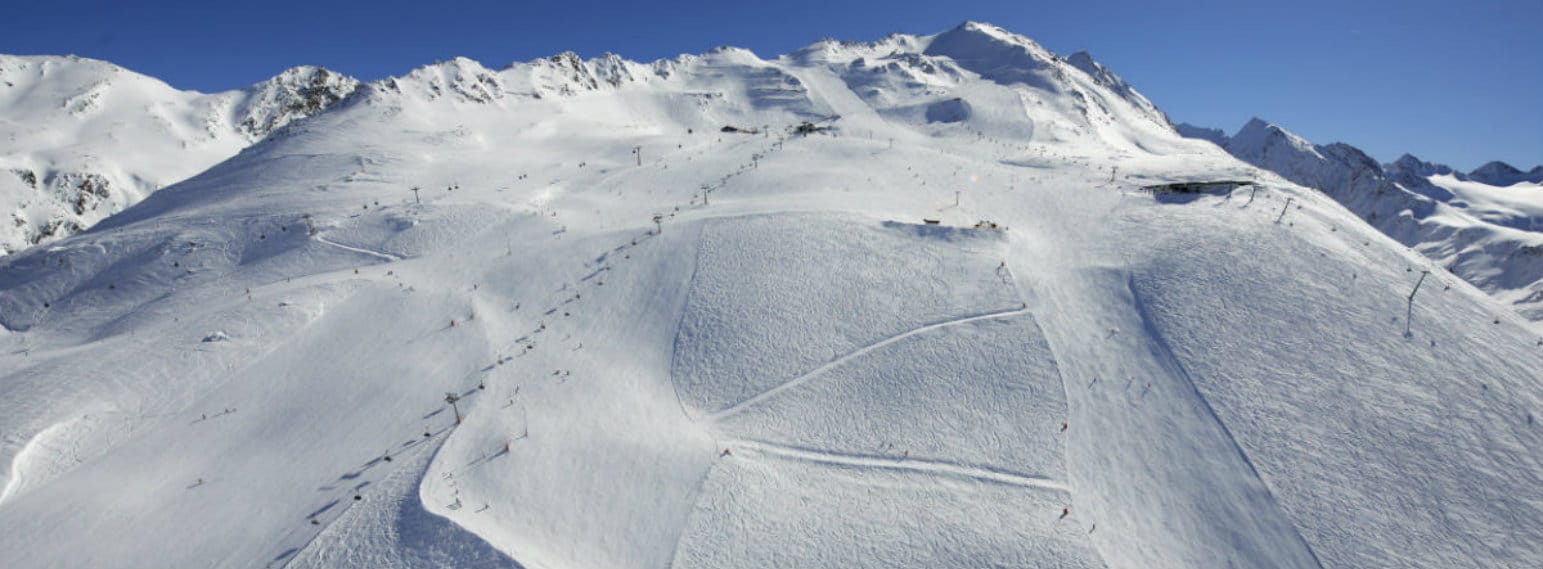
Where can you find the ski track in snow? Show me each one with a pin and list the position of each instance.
(1166, 358)
(396, 490)
(696, 500)
(816, 372)
(387, 257)
(917, 465)
(437, 439)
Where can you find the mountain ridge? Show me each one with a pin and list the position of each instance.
(1494, 173)
(57, 191)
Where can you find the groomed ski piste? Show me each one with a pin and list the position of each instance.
(673, 346)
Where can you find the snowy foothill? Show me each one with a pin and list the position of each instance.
(82, 139)
(925, 303)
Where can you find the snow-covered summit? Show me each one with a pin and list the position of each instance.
(998, 55)
(291, 95)
(1258, 137)
(1493, 173)
(1497, 173)
(1410, 165)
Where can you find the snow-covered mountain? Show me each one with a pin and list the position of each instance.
(894, 303)
(1485, 226)
(82, 139)
(1501, 174)
(1496, 174)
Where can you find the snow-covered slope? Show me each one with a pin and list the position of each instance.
(1489, 233)
(82, 139)
(668, 345)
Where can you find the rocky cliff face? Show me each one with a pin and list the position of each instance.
(296, 93)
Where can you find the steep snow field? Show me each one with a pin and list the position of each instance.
(1519, 205)
(671, 346)
(82, 139)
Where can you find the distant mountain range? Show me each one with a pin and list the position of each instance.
(1494, 173)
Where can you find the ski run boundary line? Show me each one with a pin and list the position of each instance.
(816, 372)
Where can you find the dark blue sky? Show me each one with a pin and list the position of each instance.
(1459, 82)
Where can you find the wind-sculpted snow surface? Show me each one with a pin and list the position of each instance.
(947, 396)
(1337, 392)
(885, 517)
(982, 391)
(1314, 351)
(819, 287)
